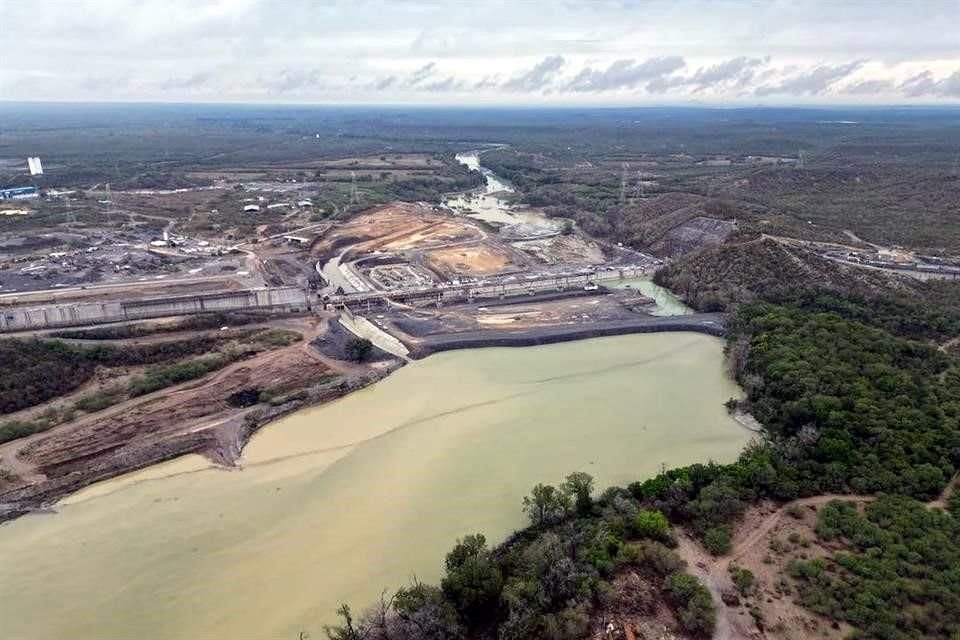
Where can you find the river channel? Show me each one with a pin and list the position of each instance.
(337, 502)
(488, 204)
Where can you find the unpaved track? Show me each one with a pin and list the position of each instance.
(713, 572)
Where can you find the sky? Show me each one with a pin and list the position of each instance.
(532, 52)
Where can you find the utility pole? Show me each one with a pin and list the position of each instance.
(623, 185)
(354, 195)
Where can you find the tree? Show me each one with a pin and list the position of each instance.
(346, 631)
(743, 579)
(359, 349)
(580, 485)
(697, 613)
(546, 504)
(473, 582)
(471, 546)
(423, 613)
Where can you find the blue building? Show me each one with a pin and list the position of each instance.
(18, 193)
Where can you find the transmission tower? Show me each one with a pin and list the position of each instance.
(638, 190)
(354, 194)
(623, 185)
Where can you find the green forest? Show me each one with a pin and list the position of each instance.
(897, 574)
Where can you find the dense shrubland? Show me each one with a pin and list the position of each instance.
(897, 575)
(35, 371)
(43, 370)
(137, 330)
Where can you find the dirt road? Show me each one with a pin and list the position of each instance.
(750, 534)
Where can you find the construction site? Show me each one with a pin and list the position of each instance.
(281, 306)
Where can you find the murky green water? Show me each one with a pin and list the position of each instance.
(337, 502)
(667, 303)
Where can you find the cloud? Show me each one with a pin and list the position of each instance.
(868, 87)
(920, 84)
(625, 74)
(488, 82)
(190, 82)
(813, 82)
(538, 77)
(384, 83)
(420, 74)
(739, 70)
(661, 84)
(447, 84)
(288, 80)
(924, 84)
(950, 86)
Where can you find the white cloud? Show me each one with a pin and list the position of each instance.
(603, 51)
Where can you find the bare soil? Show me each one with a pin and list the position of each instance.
(478, 260)
(634, 611)
(765, 541)
(190, 418)
(398, 226)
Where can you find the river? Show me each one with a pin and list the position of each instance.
(337, 502)
(667, 304)
(487, 203)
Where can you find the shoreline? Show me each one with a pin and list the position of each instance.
(224, 443)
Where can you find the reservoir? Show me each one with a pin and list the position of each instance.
(338, 502)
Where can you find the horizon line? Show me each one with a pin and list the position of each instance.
(501, 105)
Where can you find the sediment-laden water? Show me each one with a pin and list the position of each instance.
(337, 502)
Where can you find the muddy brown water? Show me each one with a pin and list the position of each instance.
(340, 501)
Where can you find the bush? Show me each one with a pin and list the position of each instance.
(717, 540)
(742, 578)
(695, 604)
(19, 429)
(795, 511)
(659, 559)
(358, 349)
(652, 525)
(99, 399)
(161, 376)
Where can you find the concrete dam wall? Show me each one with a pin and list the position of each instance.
(713, 324)
(81, 313)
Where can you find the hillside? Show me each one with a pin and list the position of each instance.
(750, 266)
(674, 224)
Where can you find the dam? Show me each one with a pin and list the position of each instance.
(275, 299)
(71, 314)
